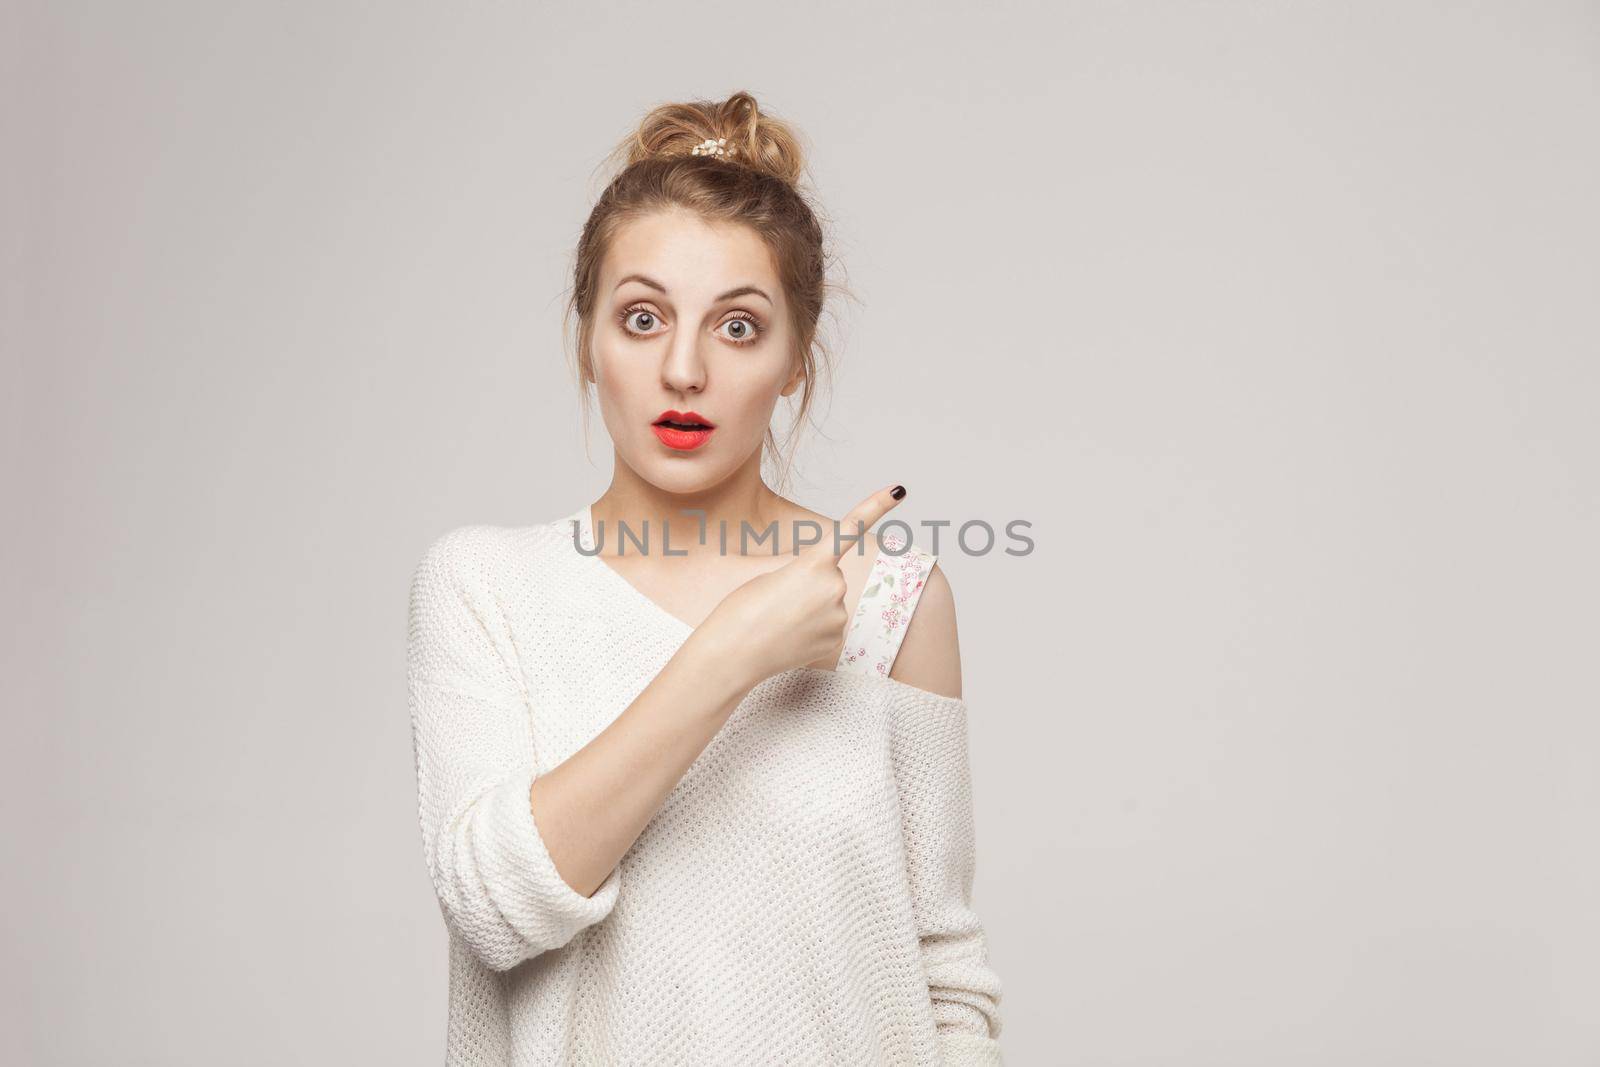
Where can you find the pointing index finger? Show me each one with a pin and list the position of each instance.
(860, 518)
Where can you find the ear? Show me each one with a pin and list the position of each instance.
(794, 382)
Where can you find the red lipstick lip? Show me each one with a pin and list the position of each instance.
(681, 440)
(670, 415)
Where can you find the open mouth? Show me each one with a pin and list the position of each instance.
(683, 420)
(682, 430)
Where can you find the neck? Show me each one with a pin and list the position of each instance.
(681, 521)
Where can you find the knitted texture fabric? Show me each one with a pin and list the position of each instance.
(803, 896)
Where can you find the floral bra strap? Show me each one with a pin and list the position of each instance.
(884, 610)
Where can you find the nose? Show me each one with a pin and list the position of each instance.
(683, 368)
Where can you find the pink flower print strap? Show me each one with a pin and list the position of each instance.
(884, 610)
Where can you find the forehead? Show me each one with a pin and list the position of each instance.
(691, 257)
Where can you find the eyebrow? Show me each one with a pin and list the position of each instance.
(743, 290)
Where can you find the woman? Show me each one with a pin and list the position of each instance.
(685, 798)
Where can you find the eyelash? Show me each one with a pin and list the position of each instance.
(743, 316)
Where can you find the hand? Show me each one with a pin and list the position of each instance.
(795, 615)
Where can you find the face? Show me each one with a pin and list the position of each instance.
(690, 318)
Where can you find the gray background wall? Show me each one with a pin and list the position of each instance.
(1276, 320)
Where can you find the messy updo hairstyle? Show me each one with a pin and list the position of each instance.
(755, 181)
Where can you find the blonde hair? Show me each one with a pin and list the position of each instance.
(754, 182)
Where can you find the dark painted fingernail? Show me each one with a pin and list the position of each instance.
(898, 491)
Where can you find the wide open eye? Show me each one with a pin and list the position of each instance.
(744, 329)
(642, 316)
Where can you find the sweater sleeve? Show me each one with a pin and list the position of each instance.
(497, 886)
(934, 780)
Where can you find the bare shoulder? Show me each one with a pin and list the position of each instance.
(930, 653)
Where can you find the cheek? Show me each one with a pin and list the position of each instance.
(754, 406)
(616, 377)
(752, 394)
(747, 415)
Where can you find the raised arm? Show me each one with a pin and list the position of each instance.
(497, 885)
(522, 861)
(519, 869)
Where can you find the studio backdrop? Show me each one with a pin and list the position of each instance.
(1273, 324)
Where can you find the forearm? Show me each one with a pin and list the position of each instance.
(591, 808)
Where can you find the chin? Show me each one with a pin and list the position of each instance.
(685, 473)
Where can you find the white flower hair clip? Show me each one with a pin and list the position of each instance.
(711, 146)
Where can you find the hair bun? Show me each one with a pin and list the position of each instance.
(732, 131)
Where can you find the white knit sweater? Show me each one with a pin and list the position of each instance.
(804, 895)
